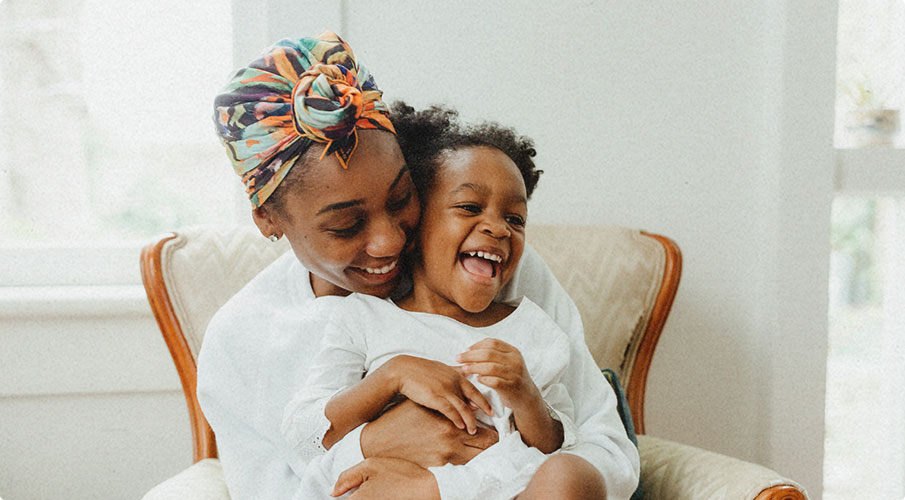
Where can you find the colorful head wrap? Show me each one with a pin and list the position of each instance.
(299, 92)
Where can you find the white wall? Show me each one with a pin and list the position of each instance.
(90, 403)
(710, 122)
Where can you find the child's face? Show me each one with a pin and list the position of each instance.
(477, 204)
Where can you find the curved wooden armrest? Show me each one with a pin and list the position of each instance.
(674, 471)
(781, 492)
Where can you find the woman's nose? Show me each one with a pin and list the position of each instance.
(386, 239)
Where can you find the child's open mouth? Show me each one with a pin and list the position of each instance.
(484, 264)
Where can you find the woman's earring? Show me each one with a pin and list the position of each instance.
(274, 238)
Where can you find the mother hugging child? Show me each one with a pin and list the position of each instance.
(332, 396)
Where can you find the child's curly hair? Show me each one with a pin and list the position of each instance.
(426, 135)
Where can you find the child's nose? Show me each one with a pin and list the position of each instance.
(495, 228)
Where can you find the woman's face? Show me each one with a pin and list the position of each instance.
(348, 227)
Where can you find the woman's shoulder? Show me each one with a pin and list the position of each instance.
(530, 313)
(354, 308)
(282, 285)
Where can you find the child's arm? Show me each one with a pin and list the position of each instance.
(426, 382)
(501, 367)
(335, 399)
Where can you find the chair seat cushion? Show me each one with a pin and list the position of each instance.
(202, 481)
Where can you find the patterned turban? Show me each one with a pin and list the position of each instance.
(298, 93)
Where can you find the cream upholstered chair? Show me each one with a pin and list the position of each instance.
(622, 280)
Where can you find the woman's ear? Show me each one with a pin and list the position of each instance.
(266, 220)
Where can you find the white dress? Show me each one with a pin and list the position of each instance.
(365, 332)
(258, 349)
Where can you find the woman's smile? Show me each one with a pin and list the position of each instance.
(377, 275)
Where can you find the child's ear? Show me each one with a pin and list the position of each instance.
(267, 222)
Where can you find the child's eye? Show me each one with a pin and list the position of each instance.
(515, 220)
(470, 208)
(350, 231)
(395, 206)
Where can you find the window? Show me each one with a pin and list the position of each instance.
(865, 400)
(107, 136)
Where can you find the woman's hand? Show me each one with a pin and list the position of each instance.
(440, 387)
(423, 436)
(387, 479)
(501, 367)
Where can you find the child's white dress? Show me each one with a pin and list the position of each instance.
(366, 332)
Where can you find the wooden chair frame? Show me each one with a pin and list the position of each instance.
(203, 439)
(204, 444)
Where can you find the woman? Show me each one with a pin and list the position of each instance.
(305, 128)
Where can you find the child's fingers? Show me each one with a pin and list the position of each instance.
(447, 407)
(489, 343)
(493, 382)
(486, 369)
(465, 412)
(478, 355)
(475, 397)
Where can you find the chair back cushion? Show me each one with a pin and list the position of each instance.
(613, 275)
(203, 267)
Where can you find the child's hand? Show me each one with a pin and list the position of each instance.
(440, 387)
(501, 367)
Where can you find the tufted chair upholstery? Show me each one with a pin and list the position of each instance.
(622, 280)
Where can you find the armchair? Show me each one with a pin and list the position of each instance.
(622, 280)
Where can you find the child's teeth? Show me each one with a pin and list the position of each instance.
(485, 255)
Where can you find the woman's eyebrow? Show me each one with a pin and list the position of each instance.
(352, 203)
(340, 205)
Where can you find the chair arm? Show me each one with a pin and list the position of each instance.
(673, 471)
(202, 481)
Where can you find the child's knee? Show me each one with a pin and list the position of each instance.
(567, 477)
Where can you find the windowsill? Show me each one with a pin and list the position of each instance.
(73, 301)
(870, 170)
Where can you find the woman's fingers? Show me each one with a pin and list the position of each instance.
(475, 398)
(350, 478)
(481, 440)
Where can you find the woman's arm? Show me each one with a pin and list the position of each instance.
(381, 478)
(339, 365)
(423, 436)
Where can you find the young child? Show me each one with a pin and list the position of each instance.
(447, 344)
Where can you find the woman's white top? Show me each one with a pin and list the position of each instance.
(260, 346)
